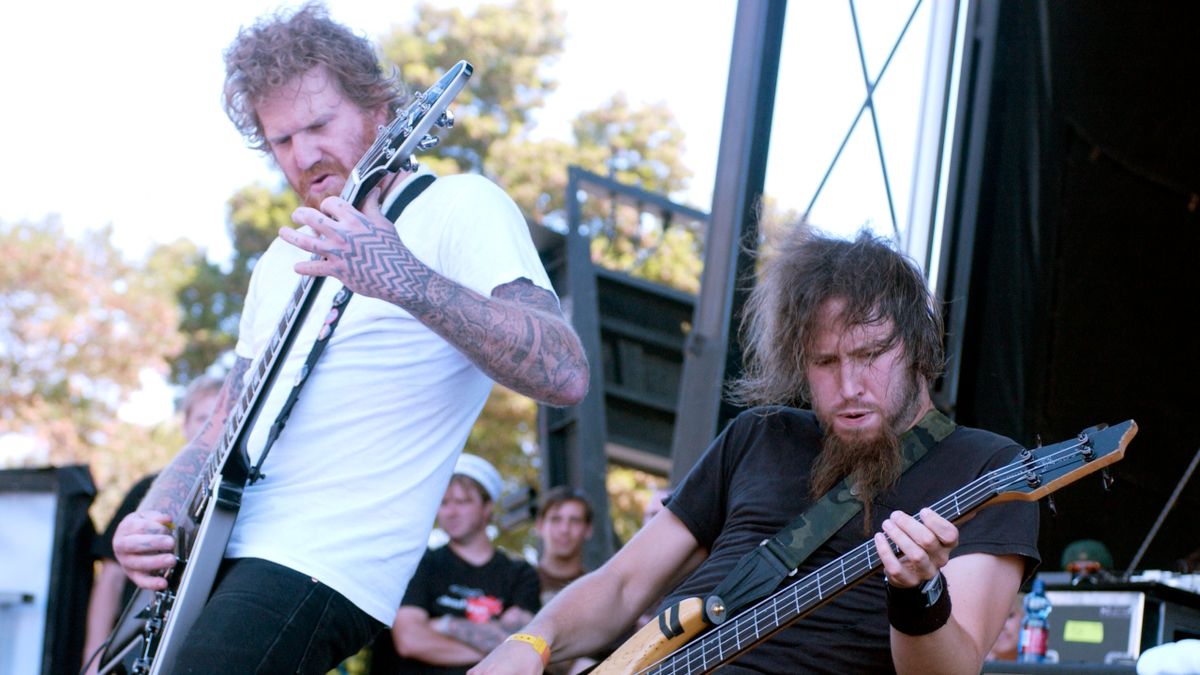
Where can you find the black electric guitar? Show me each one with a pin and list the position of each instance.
(153, 626)
(669, 645)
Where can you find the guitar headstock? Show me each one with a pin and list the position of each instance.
(1037, 472)
(408, 133)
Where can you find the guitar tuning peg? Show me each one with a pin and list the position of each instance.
(1107, 479)
(409, 164)
(428, 142)
(1038, 438)
(446, 119)
(1052, 506)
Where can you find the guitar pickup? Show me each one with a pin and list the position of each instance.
(229, 496)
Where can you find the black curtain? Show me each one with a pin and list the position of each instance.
(1085, 273)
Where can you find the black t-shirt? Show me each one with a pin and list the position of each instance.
(102, 546)
(446, 584)
(754, 479)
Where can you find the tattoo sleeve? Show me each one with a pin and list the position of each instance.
(518, 336)
(481, 636)
(174, 485)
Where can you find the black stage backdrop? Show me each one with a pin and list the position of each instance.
(1085, 273)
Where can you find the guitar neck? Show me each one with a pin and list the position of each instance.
(775, 613)
(263, 371)
(1029, 476)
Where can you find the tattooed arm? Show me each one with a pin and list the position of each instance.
(517, 336)
(143, 543)
(451, 640)
(414, 637)
(484, 637)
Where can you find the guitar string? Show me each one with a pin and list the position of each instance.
(368, 163)
(866, 549)
(200, 495)
(800, 594)
(261, 365)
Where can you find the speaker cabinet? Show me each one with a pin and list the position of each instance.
(45, 568)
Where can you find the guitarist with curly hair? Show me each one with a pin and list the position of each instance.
(452, 297)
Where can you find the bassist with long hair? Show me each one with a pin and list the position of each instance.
(849, 328)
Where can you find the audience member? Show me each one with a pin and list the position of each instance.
(467, 596)
(564, 524)
(1086, 559)
(1005, 648)
(655, 503)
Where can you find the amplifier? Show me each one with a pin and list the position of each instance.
(1114, 623)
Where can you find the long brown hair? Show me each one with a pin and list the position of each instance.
(876, 282)
(281, 47)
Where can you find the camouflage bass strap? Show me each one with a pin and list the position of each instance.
(760, 571)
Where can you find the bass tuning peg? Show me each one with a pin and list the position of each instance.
(1106, 480)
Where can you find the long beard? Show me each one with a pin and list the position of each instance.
(873, 462)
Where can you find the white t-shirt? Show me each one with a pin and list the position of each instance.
(353, 483)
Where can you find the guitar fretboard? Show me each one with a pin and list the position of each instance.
(260, 369)
(756, 624)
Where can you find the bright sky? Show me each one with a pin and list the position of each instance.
(114, 115)
(113, 110)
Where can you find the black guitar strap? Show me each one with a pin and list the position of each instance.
(410, 192)
(760, 571)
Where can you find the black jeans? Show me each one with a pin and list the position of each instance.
(265, 618)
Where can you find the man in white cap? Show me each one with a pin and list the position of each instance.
(466, 597)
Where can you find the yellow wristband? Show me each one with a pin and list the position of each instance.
(534, 641)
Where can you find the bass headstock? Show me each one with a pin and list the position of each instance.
(1037, 472)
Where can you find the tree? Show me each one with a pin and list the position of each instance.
(211, 296)
(78, 327)
(510, 47)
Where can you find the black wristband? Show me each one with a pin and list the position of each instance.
(919, 610)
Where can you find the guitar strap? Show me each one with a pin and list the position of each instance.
(410, 192)
(760, 571)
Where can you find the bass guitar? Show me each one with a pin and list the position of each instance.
(681, 641)
(153, 626)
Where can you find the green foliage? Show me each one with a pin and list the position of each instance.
(506, 435)
(643, 147)
(628, 492)
(78, 326)
(509, 47)
(210, 297)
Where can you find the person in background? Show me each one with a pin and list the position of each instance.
(564, 524)
(1005, 648)
(112, 590)
(467, 596)
(655, 503)
(1087, 560)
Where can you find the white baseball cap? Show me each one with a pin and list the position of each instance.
(479, 469)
